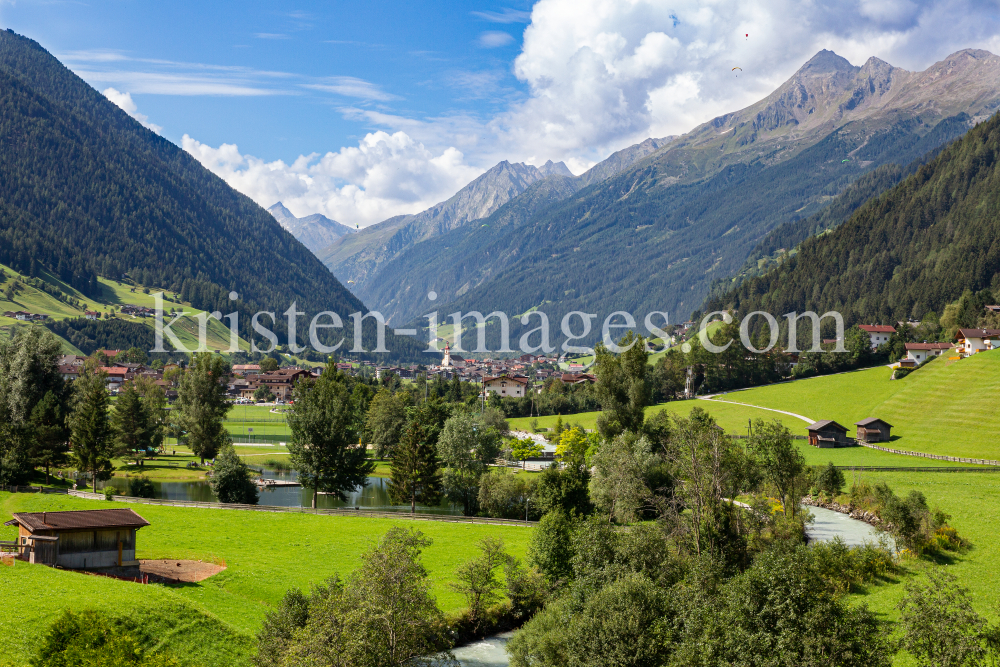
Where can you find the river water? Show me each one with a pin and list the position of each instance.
(828, 524)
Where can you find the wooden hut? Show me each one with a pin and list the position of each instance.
(79, 540)
(873, 429)
(827, 433)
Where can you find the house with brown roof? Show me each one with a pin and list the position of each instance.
(246, 370)
(282, 381)
(921, 352)
(827, 433)
(80, 539)
(879, 333)
(506, 386)
(873, 429)
(971, 341)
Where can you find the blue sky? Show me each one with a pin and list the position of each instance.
(365, 110)
(408, 58)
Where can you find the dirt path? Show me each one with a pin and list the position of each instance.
(747, 405)
(189, 571)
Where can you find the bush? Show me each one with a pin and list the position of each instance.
(830, 480)
(141, 487)
(92, 639)
(110, 491)
(232, 480)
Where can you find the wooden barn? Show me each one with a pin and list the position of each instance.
(827, 433)
(873, 429)
(78, 540)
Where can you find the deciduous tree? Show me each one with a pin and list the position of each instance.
(202, 406)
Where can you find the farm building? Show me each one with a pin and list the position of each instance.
(827, 433)
(873, 429)
(79, 540)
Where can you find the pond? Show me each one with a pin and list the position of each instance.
(828, 524)
(374, 495)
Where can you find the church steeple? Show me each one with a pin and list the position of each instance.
(447, 356)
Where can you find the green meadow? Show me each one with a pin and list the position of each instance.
(213, 622)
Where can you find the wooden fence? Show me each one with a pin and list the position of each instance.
(936, 457)
(916, 469)
(308, 510)
(31, 489)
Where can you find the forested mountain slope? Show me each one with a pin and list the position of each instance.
(87, 190)
(909, 252)
(657, 235)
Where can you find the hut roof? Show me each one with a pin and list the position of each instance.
(872, 420)
(78, 520)
(823, 423)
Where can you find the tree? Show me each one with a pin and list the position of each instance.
(414, 471)
(202, 406)
(154, 399)
(50, 441)
(382, 616)
(262, 394)
(268, 365)
(565, 490)
(621, 387)
(779, 459)
(385, 422)
(132, 424)
(324, 431)
(493, 418)
(477, 579)
(940, 627)
(618, 485)
(524, 448)
(232, 479)
(505, 495)
(551, 546)
(466, 446)
(830, 480)
(141, 487)
(93, 437)
(28, 372)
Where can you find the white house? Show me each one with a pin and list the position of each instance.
(920, 352)
(971, 341)
(506, 386)
(879, 333)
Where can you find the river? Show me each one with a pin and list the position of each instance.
(828, 524)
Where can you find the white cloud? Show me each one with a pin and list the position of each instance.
(384, 175)
(494, 38)
(270, 35)
(124, 101)
(505, 15)
(350, 86)
(602, 75)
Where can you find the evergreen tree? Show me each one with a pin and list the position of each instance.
(232, 479)
(93, 438)
(415, 474)
(324, 432)
(133, 425)
(202, 405)
(50, 433)
(621, 387)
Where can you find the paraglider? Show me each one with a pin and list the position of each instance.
(847, 160)
(736, 68)
(350, 282)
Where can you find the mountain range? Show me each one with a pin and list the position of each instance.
(661, 228)
(314, 231)
(86, 190)
(905, 254)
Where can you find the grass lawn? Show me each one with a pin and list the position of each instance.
(733, 418)
(944, 407)
(265, 554)
(971, 500)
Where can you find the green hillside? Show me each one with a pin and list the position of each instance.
(87, 192)
(915, 249)
(212, 622)
(46, 294)
(945, 407)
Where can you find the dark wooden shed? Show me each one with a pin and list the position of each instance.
(873, 429)
(79, 540)
(827, 433)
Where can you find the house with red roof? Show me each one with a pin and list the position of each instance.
(879, 333)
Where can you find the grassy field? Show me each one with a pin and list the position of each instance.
(733, 418)
(265, 555)
(971, 500)
(944, 407)
(113, 294)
